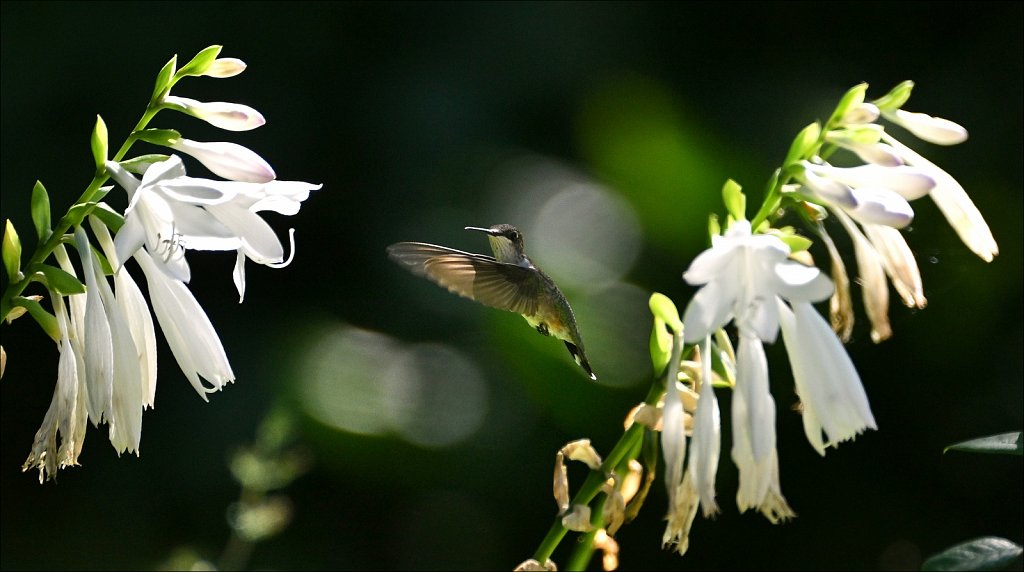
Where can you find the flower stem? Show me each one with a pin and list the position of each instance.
(627, 444)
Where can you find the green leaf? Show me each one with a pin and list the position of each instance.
(851, 99)
(163, 78)
(660, 346)
(57, 280)
(113, 220)
(803, 145)
(157, 136)
(138, 165)
(12, 252)
(76, 214)
(99, 143)
(200, 63)
(665, 310)
(45, 319)
(896, 97)
(714, 228)
(41, 211)
(985, 553)
(734, 199)
(796, 243)
(1003, 444)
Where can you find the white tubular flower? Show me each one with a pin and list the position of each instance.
(931, 129)
(871, 271)
(955, 204)
(188, 330)
(135, 308)
(171, 213)
(222, 114)
(828, 385)
(229, 160)
(909, 182)
(900, 263)
(67, 414)
(707, 438)
(122, 401)
(743, 276)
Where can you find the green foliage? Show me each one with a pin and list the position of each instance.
(98, 142)
(200, 63)
(985, 553)
(45, 319)
(41, 211)
(57, 280)
(804, 144)
(896, 97)
(851, 99)
(163, 79)
(12, 252)
(734, 199)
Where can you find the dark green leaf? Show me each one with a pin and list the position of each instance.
(803, 145)
(41, 211)
(986, 553)
(157, 136)
(45, 319)
(164, 77)
(58, 280)
(200, 63)
(1005, 444)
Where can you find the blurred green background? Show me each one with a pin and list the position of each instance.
(604, 131)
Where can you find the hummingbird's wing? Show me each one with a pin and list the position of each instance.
(475, 276)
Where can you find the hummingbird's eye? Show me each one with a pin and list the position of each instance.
(514, 235)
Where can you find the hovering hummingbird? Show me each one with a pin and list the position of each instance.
(508, 281)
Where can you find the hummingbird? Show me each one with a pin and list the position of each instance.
(508, 281)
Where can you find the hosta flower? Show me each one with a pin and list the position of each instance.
(222, 114)
(748, 279)
(229, 160)
(171, 212)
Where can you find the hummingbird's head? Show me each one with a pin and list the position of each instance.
(506, 242)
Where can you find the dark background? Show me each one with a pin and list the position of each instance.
(422, 118)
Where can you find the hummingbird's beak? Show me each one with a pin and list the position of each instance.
(476, 228)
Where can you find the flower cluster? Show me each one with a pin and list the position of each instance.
(870, 201)
(107, 367)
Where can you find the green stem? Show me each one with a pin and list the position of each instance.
(45, 250)
(592, 485)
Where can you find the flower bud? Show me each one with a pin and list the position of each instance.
(225, 67)
(229, 160)
(222, 114)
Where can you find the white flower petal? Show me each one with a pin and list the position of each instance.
(709, 309)
(238, 275)
(188, 330)
(707, 438)
(833, 397)
(932, 129)
(899, 262)
(799, 282)
(881, 206)
(955, 204)
(910, 182)
(258, 238)
(228, 160)
(871, 273)
(222, 114)
(753, 423)
(99, 348)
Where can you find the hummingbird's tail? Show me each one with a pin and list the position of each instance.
(577, 354)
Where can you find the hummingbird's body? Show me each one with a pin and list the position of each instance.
(508, 281)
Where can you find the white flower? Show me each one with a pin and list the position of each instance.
(955, 204)
(932, 129)
(229, 160)
(745, 279)
(67, 414)
(222, 114)
(119, 390)
(170, 213)
(225, 67)
(188, 330)
(826, 381)
(705, 448)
